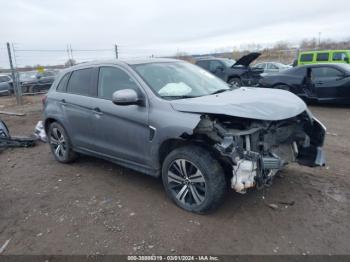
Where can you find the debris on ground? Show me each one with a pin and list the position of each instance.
(12, 113)
(3, 247)
(272, 206)
(287, 203)
(6, 140)
(39, 131)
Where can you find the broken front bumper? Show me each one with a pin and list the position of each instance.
(257, 170)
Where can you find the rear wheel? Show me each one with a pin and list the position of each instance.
(193, 179)
(60, 144)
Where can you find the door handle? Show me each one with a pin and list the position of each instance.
(63, 101)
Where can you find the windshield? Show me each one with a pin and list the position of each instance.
(229, 62)
(177, 80)
(27, 75)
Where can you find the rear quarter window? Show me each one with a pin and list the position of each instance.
(306, 57)
(80, 82)
(62, 86)
(321, 57)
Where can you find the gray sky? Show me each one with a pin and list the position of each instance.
(161, 27)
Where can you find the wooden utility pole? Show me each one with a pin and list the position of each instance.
(16, 86)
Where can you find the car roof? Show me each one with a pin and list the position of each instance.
(119, 62)
(323, 51)
(211, 58)
(127, 61)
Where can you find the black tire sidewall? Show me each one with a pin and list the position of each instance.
(212, 171)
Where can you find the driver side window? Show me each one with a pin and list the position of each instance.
(111, 79)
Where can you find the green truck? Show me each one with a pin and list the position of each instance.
(323, 56)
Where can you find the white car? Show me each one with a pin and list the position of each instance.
(272, 67)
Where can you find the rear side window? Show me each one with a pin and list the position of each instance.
(112, 79)
(339, 56)
(63, 83)
(204, 64)
(80, 82)
(322, 57)
(326, 72)
(306, 57)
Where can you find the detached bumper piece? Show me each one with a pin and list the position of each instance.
(7, 141)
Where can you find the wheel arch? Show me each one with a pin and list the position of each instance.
(171, 144)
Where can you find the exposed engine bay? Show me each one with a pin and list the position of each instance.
(258, 149)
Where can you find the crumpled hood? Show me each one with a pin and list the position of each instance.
(246, 102)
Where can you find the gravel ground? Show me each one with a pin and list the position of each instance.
(96, 207)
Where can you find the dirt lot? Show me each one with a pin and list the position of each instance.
(95, 207)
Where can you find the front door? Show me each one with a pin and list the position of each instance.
(327, 81)
(121, 131)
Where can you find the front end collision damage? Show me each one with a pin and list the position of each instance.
(257, 149)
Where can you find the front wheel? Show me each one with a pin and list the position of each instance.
(193, 179)
(235, 82)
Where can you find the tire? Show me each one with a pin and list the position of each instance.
(202, 187)
(282, 87)
(235, 82)
(60, 144)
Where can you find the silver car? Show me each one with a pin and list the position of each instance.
(272, 67)
(171, 119)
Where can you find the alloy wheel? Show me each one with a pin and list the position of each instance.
(186, 182)
(58, 143)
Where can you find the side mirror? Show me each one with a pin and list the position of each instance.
(126, 97)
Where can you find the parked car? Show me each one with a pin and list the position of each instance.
(272, 67)
(33, 81)
(236, 73)
(171, 119)
(323, 56)
(6, 85)
(327, 83)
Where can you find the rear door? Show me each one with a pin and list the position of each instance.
(78, 106)
(120, 131)
(327, 81)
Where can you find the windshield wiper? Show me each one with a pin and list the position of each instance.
(220, 91)
(178, 97)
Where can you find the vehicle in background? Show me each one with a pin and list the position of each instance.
(236, 73)
(169, 118)
(272, 67)
(6, 85)
(324, 56)
(33, 81)
(328, 83)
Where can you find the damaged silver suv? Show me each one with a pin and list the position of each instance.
(172, 119)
